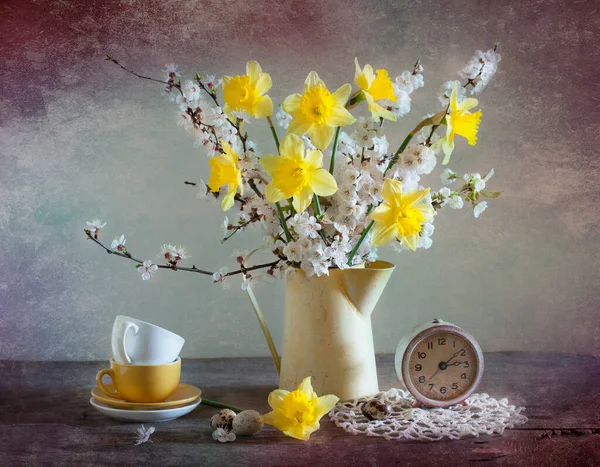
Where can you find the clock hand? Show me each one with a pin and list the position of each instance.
(456, 363)
(453, 356)
(444, 365)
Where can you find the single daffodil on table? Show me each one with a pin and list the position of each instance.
(317, 111)
(400, 215)
(375, 88)
(245, 93)
(460, 122)
(297, 413)
(225, 172)
(296, 175)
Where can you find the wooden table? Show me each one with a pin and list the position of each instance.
(46, 418)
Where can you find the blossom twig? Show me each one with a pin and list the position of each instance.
(167, 83)
(173, 267)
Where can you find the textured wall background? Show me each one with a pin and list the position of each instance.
(80, 138)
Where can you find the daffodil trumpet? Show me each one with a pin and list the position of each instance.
(297, 413)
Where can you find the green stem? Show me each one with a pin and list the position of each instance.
(274, 133)
(334, 149)
(317, 206)
(288, 236)
(399, 151)
(219, 405)
(359, 243)
(265, 329)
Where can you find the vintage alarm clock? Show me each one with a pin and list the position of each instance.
(439, 363)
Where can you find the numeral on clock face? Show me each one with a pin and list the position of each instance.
(443, 371)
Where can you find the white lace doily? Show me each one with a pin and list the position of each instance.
(483, 415)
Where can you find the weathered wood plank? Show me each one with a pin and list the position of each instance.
(45, 418)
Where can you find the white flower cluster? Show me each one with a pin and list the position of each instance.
(404, 85)
(480, 68)
(474, 185)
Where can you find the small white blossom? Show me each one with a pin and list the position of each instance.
(479, 208)
(293, 251)
(448, 176)
(283, 118)
(202, 190)
(445, 192)
(222, 435)
(221, 277)
(424, 242)
(143, 434)
(404, 83)
(402, 105)
(455, 201)
(119, 244)
(147, 269)
(95, 226)
(446, 90)
(305, 225)
(427, 230)
(172, 71)
(191, 90)
(417, 80)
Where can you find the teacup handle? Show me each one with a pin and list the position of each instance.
(100, 384)
(135, 328)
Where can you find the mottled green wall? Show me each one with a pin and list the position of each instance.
(80, 138)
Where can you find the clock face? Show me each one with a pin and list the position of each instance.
(443, 366)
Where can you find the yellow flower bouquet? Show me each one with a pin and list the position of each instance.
(331, 189)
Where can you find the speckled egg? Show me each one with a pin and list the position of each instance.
(247, 423)
(223, 419)
(376, 410)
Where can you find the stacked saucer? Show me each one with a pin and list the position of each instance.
(144, 372)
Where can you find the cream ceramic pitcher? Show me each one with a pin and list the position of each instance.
(327, 330)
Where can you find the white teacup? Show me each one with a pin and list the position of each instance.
(139, 343)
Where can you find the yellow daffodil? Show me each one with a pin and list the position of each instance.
(225, 172)
(297, 176)
(245, 93)
(460, 122)
(297, 413)
(375, 88)
(400, 215)
(317, 111)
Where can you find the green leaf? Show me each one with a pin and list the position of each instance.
(490, 194)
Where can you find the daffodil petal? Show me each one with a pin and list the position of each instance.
(264, 107)
(228, 200)
(225, 80)
(340, 116)
(427, 211)
(276, 397)
(299, 126)
(325, 404)
(383, 234)
(306, 387)
(410, 241)
(253, 70)
(312, 80)
(273, 194)
(382, 213)
(321, 135)
(292, 103)
(392, 191)
(292, 146)
(302, 431)
(226, 146)
(467, 103)
(323, 183)
(377, 111)
(269, 163)
(413, 197)
(314, 159)
(263, 83)
(340, 97)
(278, 419)
(302, 200)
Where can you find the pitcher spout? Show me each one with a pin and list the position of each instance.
(364, 286)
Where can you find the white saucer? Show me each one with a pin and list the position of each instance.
(143, 416)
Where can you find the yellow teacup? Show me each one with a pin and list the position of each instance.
(141, 383)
